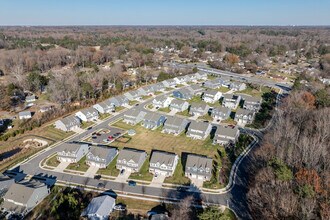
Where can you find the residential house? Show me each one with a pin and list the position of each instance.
(199, 130)
(213, 84)
(180, 80)
(244, 116)
(184, 94)
(220, 113)
(30, 100)
(69, 123)
(175, 125)
(251, 103)
(199, 109)
(23, 196)
(211, 96)
(237, 86)
(198, 167)
(201, 76)
(133, 116)
(72, 152)
(99, 208)
(5, 183)
(24, 115)
(169, 83)
(133, 95)
(153, 120)
(131, 159)
(142, 91)
(159, 87)
(231, 101)
(100, 157)
(120, 100)
(179, 105)
(225, 135)
(104, 107)
(88, 114)
(196, 89)
(161, 101)
(163, 163)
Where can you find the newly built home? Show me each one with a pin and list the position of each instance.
(133, 95)
(175, 125)
(133, 116)
(231, 101)
(244, 116)
(196, 89)
(131, 159)
(104, 107)
(88, 114)
(198, 167)
(211, 96)
(169, 83)
(163, 163)
(72, 152)
(220, 113)
(225, 135)
(153, 120)
(99, 208)
(100, 157)
(119, 101)
(213, 84)
(199, 130)
(162, 101)
(69, 123)
(198, 109)
(184, 94)
(237, 86)
(179, 105)
(251, 103)
(23, 196)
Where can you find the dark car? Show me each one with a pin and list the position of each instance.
(131, 183)
(100, 185)
(97, 177)
(89, 128)
(137, 104)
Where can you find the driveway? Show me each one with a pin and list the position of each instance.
(123, 178)
(172, 112)
(194, 117)
(158, 181)
(196, 183)
(92, 170)
(61, 166)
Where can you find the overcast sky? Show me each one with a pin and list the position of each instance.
(164, 12)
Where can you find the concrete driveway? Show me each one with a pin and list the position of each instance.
(123, 178)
(61, 166)
(158, 181)
(194, 117)
(196, 183)
(92, 170)
(172, 112)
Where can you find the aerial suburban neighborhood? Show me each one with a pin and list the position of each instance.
(149, 116)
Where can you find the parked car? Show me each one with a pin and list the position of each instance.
(120, 207)
(89, 128)
(110, 138)
(106, 140)
(122, 172)
(94, 137)
(97, 177)
(131, 183)
(100, 185)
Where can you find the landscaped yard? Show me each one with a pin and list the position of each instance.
(52, 161)
(133, 102)
(196, 99)
(167, 110)
(86, 124)
(206, 117)
(119, 108)
(178, 176)
(184, 113)
(143, 174)
(53, 133)
(110, 170)
(80, 166)
(103, 116)
(223, 89)
(149, 140)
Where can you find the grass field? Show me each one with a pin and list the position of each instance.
(103, 116)
(149, 140)
(184, 113)
(143, 174)
(223, 89)
(178, 176)
(110, 170)
(80, 166)
(53, 133)
(87, 124)
(52, 161)
(133, 102)
(164, 110)
(257, 92)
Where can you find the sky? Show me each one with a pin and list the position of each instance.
(164, 12)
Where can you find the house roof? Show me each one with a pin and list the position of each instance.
(178, 102)
(102, 152)
(72, 147)
(198, 125)
(133, 112)
(195, 87)
(230, 96)
(161, 98)
(24, 113)
(100, 206)
(220, 110)
(211, 92)
(174, 121)
(89, 111)
(196, 106)
(241, 111)
(226, 131)
(152, 116)
(162, 157)
(198, 161)
(248, 98)
(131, 154)
(70, 121)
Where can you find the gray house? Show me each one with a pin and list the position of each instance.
(199, 109)
(72, 152)
(175, 125)
(211, 96)
(244, 116)
(231, 101)
(159, 87)
(99, 208)
(225, 135)
(131, 159)
(88, 114)
(24, 115)
(179, 105)
(199, 130)
(153, 120)
(196, 89)
(183, 93)
(69, 123)
(198, 167)
(163, 163)
(237, 86)
(5, 183)
(101, 156)
(119, 101)
(104, 107)
(169, 83)
(213, 84)
(201, 76)
(134, 116)
(251, 103)
(133, 95)
(162, 101)
(22, 197)
(220, 113)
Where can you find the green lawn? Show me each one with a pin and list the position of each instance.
(223, 89)
(256, 91)
(184, 113)
(103, 116)
(196, 99)
(133, 102)
(52, 161)
(178, 176)
(119, 108)
(110, 170)
(164, 110)
(146, 97)
(53, 133)
(80, 166)
(158, 93)
(86, 124)
(206, 117)
(143, 174)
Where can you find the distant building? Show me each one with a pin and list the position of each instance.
(99, 208)
(69, 123)
(88, 114)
